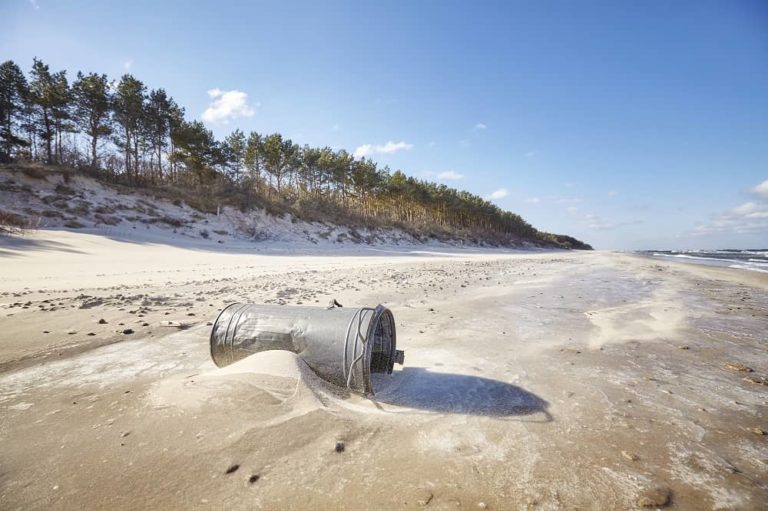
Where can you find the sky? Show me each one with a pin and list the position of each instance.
(629, 125)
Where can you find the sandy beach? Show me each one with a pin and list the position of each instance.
(532, 380)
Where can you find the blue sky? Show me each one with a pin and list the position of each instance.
(627, 124)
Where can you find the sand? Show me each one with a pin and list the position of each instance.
(556, 380)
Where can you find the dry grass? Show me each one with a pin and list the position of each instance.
(11, 223)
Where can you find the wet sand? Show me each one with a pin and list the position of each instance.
(532, 381)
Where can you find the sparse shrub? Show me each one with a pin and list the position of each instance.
(108, 220)
(51, 213)
(103, 210)
(74, 224)
(11, 223)
(82, 208)
(33, 172)
(221, 233)
(173, 222)
(64, 190)
(255, 233)
(56, 201)
(204, 234)
(9, 185)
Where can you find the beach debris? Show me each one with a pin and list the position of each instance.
(174, 324)
(630, 456)
(424, 497)
(760, 380)
(657, 496)
(685, 347)
(342, 345)
(758, 431)
(738, 367)
(232, 468)
(71, 331)
(340, 447)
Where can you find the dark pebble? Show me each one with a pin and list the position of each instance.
(128, 331)
(339, 446)
(232, 469)
(253, 478)
(102, 321)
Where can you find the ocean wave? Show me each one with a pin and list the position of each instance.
(752, 260)
(747, 267)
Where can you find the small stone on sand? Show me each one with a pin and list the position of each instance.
(657, 496)
(424, 497)
(128, 331)
(736, 366)
(340, 447)
(232, 469)
(102, 321)
(630, 456)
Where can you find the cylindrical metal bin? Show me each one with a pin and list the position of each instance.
(342, 345)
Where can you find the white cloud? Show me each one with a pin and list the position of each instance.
(530, 154)
(34, 4)
(128, 64)
(748, 218)
(450, 175)
(336, 127)
(479, 126)
(569, 185)
(498, 194)
(533, 200)
(761, 189)
(613, 193)
(388, 148)
(227, 105)
(592, 221)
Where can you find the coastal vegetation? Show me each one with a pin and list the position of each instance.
(123, 132)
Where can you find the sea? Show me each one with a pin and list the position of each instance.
(753, 259)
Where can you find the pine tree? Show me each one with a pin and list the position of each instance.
(49, 97)
(234, 152)
(253, 158)
(157, 123)
(92, 107)
(14, 92)
(129, 114)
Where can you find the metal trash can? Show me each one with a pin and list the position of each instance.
(344, 346)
